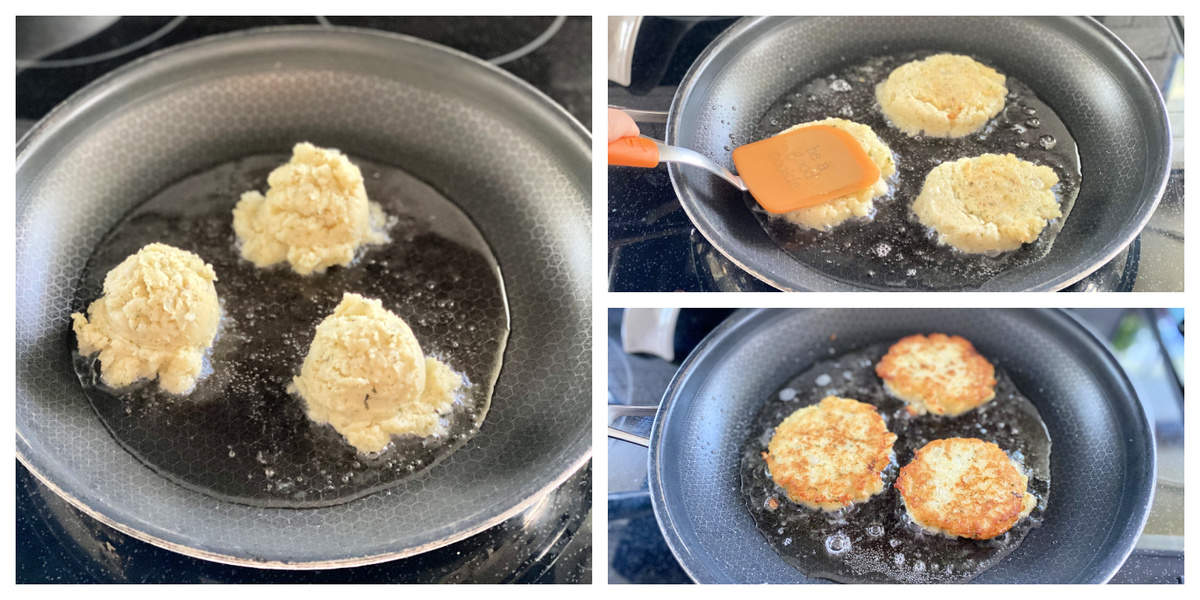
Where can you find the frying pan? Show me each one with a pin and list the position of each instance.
(516, 163)
(1102, 463)
(1091, 80)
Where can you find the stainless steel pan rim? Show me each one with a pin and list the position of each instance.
(80, 99)
(778, 281)
(675, 399)
(301, 566)
(572, 139)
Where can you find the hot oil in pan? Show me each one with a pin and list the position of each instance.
(239, 436)
(893, 249)
(876, 541)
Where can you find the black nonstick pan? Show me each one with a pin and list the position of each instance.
(514, 162)
(1097, 86)
(1102, 461)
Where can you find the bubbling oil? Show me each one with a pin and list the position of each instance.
(239, 436)
(876, 541)
(891, 249)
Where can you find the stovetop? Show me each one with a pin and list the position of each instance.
(654, 247)
(1148, 343)
(548, 543)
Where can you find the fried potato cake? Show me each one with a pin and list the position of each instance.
(964, 487)
(830, 455)
(938, 374)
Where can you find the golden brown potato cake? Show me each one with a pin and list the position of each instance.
(940, 374)
(964, 487)
(830, 455)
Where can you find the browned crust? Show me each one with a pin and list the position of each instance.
(830, 455)
(981, 501)
(950, 388)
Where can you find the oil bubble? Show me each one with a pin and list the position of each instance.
(838, 543)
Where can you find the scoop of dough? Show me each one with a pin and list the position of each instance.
(988, 203)
(860, 203)
(366, 376)
(945, 95)
(157, 317)
(315, 214)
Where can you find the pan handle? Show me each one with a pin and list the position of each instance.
(643, 116)
(622, 38)
(616, 411)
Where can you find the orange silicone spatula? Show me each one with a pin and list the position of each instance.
(793, 170)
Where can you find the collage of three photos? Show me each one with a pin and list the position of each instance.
(313, 300)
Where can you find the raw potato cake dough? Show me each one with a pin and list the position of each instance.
(858, 204)
(157, 317)
(315, 214)
(945, 95)
(989, 203)
(365, 375)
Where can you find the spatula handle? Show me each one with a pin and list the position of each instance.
(647, 152)
(633, 152)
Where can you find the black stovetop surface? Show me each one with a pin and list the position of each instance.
(561, 68)
(652, 246)
(548, 543)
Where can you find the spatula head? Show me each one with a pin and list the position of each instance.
(804, 167)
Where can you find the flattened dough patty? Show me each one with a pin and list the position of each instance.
(858, 204)
(945, 95)
(989, 203)
(938, 374)
(964, 487)
(830, 455)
